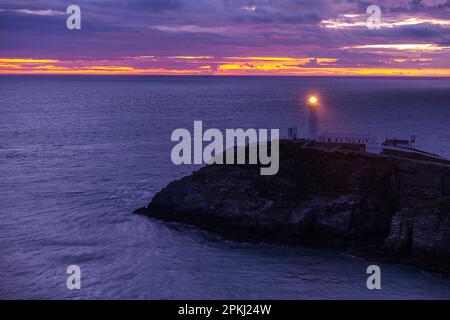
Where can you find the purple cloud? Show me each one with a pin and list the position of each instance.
(223, 28)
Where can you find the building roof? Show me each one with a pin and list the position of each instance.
(345, 135)
(395, 142)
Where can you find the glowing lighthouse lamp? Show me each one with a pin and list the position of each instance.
(312, 100)
(313, 118)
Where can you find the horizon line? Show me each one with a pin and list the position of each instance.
(229, 75)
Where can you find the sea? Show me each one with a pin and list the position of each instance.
(79, 153)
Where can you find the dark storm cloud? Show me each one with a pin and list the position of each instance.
(265, 16)
(414, 33)
(156, 5)
(14, 21)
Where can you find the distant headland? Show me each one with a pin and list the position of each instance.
(382, 205)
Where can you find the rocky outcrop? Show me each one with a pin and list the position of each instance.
(345, 199)
(423, 234)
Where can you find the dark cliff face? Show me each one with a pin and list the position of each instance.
(318, 197)
(423, 234)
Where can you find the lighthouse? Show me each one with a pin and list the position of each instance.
(313, 118)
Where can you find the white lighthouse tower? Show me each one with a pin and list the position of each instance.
(313, 118)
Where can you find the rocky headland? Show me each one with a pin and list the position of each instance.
(398, 209)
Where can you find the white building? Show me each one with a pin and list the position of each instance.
(313, 118)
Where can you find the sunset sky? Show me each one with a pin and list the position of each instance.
(226, 37)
